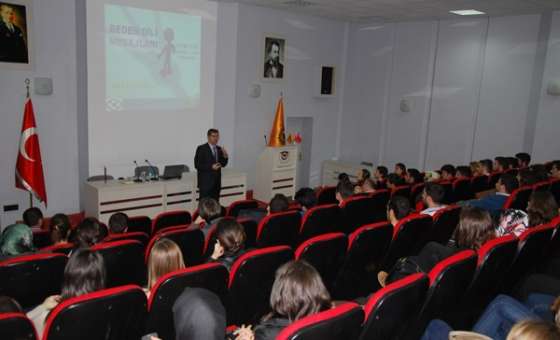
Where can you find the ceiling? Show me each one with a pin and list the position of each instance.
(403, 10)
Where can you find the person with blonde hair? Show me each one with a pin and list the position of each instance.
(476, 169)
(165, 257)
(534, 330)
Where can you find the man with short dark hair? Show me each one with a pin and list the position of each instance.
(278, 203)
(306, 198)
(209, 161)
(448, 172)
(33, 218)
(500, 164)
(432, 196)
(555, 169)
(343, 191)
(379, 176)
(495, 202)
(209, 214)
(118, 223)
(524, 159)
(394, 180)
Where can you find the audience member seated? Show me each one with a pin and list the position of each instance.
(512, 221)
(555, 170)
(500, 164)
(432, 196)
(9, 305)
(59, 228)
(487, 167)
(367, 187)
(523, 159)
(297, 292)
(230, 242)
(398, 208)
(88, 233)
(463, 172)
(526, 177)
(380, 177)
(165, 257)
(394, 180)
(448, 173)
(504, 318)
(199, 314)
(118, 223)
(512, 162)
(476, 169)
(343, 191)
(400, 169)
(16, 239)
(343, 177)
(209, 214)
(278, 203)
(306, 198)
(542, 208)
(474, 229)
(413, 176)
(362, 175)
(84, 273)
(495, 202)
(540, 171)
(33, 218)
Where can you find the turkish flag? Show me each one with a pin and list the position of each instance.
(29, 166)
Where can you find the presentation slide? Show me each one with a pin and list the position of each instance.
(152, 59)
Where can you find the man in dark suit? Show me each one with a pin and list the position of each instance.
(209, 161)
(12, 42)
(273, 68)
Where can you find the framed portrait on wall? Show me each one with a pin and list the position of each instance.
(274, 57)
(15, 34)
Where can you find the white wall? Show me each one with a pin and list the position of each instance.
(469, 82)
(547, 138)
(55, 57)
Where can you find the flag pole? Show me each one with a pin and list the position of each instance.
(27, 82)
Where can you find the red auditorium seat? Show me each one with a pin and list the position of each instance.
(448, 188)
(542, 186)
(449, 280)
(366, 248)
(416, 193)
(341, 322)
(494, 261)
(250, 226)
(379, 203)
(494, 178)
(391, 309)
(250, 282)
(17, 326)
(140, 223)
(124, 262)
(555, 189)
(211, 276)
(190, 241)
(480, 183)
(41, 238)
(235, 208)
(327, 195)
(110, 314)
(319, 220)
(553, 249)
(462, 189)
(278, 229)
(356, 212)
(170, 219)
(137, 235)
(409, 236)
(403, 190)
(61, 248)
(326, 253)
(445, 222)
(29, 279)
(519, 198)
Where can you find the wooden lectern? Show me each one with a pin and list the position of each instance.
(276, 172)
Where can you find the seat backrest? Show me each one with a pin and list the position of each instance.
(366, 248)
(124, 262)
(409, 236)
(445, 222)
(519, 198)
(29, 279)
(140, 223)
(555, 189)
(170, 219)
(448, 198)
(319, 220)
(494, 178)
(542, 186)
(250, 282)
(138, 236)
(327, 195)
(462, 189)
(235, 207)
(356, 212)
(415, 192)
(190, 241)
(278, 229)
(532, 246)
(390, 310)
(326, 253)
(380, 198)
(41, 238)
(61, 248)
(341, 322)
(448, 281)
(480, 183)
(111, 314)
(211, 276)
(403, 190)
(17, 326)
(553, 248)
(250, 226)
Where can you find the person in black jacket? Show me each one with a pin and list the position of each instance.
(297, 292)
(209, 161)
(199, 314)
(230, 242)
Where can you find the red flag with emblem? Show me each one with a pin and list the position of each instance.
(29, 166)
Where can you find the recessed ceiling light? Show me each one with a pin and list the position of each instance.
(467, 12)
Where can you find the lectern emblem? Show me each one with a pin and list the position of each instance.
(284, 155)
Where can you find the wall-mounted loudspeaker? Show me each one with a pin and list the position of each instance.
(327, 80)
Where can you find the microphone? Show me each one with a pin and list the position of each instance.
(136, 179)
(153, 174)
(105, 174)
(265, 141)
